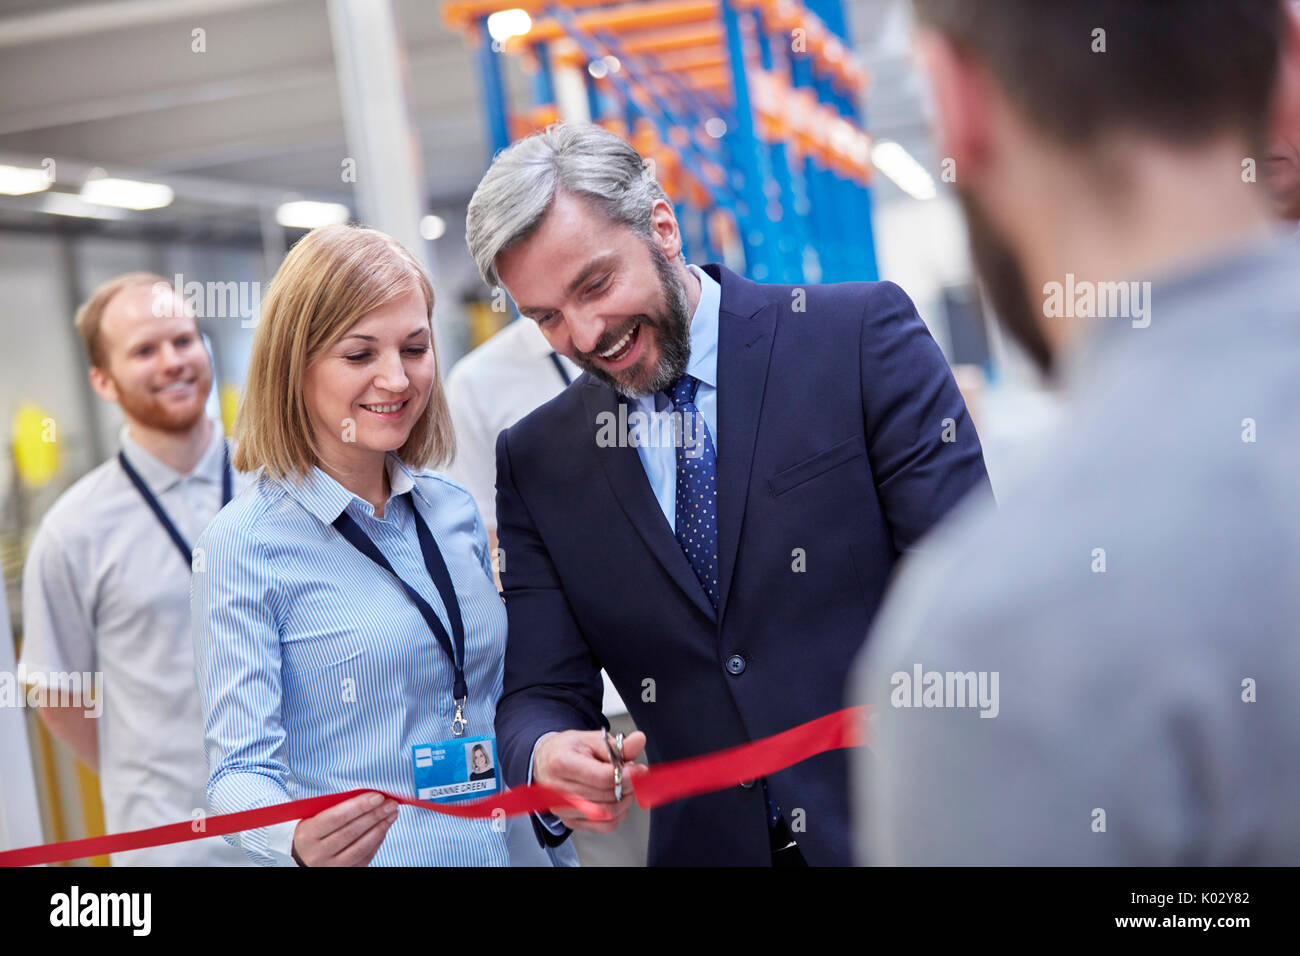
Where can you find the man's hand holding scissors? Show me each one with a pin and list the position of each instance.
(595, 765)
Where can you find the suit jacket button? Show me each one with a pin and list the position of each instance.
(736, 665)
(747, 784)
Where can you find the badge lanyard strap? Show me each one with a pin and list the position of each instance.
(163, 518)
(441, 577)
(559, 367)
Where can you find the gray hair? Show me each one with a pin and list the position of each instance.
(519, 187)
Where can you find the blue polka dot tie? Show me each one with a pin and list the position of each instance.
(697, 488)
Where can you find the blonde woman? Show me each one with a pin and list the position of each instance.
(347, 631)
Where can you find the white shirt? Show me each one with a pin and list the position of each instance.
(105, 589)
(489, 390)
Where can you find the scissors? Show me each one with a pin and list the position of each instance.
(615, 745)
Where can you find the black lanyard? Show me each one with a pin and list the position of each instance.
(559, 367)
(441, 578)
(157, 509)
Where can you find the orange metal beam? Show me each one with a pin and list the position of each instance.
(781, 16)
(657, 42)
(683, 38)
(655, 15)
(703, 76)
(465, 14)
(667, 62)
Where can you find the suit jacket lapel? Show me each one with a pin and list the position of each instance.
(631, 487)
(746, 328)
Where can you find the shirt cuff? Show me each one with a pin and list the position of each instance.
(548, 820)
(279, 842)
(268, 845)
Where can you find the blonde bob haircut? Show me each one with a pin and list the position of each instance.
(332, 277)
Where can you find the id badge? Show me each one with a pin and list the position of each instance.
(456, 769)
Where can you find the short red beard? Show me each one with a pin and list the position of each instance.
(150, 412)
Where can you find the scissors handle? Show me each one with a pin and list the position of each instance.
(615, 747)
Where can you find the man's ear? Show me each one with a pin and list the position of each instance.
(663, 226)
(960, 90)
(102, 384)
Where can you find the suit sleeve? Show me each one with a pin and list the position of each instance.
(921, 441)
(552, 681)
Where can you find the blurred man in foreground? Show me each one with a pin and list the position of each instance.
(1106, 670)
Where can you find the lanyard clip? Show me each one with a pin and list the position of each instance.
(459, 723)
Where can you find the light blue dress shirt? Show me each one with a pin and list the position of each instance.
(317, 674)
(660, 459)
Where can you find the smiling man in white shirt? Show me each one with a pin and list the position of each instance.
(106, 583)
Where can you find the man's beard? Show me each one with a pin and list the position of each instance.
(1004, 283)
(150, 412)
(672, 328)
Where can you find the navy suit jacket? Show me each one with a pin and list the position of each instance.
(833, 409)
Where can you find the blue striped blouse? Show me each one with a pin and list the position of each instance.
(315, 671)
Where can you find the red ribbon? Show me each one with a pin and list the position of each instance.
(654, 786)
